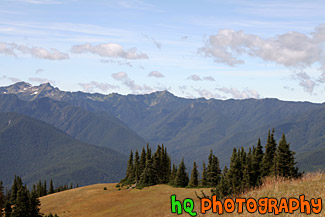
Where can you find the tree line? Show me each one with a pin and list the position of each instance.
(19, 201)
(246, 169)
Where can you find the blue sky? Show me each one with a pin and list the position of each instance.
(212, 49)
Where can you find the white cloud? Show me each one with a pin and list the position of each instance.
(194, 78)
(322, 78)
(237, 94)
(109, 50)
(198, 78)
(185, 92)
(305, 81)
(133, 86)
(207, 94)
(156, 74)
(136, 88)
(120, 76)
(41, 80)
(38, 52)
(89, 87)
(7, 49)
(121, 63)
(182, 88)
(38, 71)
(208, 78)
(156, 43)
(288, 88)
(12, 79)
(293, 49)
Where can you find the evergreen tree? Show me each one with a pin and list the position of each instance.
(26, 204)
(51, 190)
(21, 206)
(165, 165)
(14, 189)
(44, 189)
(142, 163)
(257, 163)
(172, 176)
(204, 180)
(284, 160)
(235, 172)
(34, 204)
(247, 171)
(136, 166)
(148, 176)
(223, 188)
(39, 189)
(213, 170)
(130, 172)
(157, 164)
(268, 164)
(181, 175)
(148, 156)
(194, 181)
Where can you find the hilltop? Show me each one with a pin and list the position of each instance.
(155, 201)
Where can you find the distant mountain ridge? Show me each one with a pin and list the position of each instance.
(191, 127)
(99, 129)
(36, 150)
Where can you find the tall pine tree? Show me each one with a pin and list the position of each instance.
(194, 181)
(51, 190)
(284, 160)
(268, 164)
(223, 188)
(235, 172)
(257, 163)
(204, 180)
(172, 176)
(130, 171)
(142, 163)
(136, 163)
(181, 175)
(213, 170)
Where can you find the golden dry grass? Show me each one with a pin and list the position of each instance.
(95, 201)
(312, 185)
(155, 201)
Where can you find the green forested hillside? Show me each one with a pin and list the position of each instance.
(35, 150)
(99, 129)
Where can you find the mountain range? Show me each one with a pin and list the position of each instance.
(36, 151)
(189, 128)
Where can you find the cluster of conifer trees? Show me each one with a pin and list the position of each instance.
(246, 168)
(19, 201)
(148, 169)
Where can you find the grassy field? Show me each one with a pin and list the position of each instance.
(155, 201)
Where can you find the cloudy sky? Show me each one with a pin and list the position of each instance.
(213, 49)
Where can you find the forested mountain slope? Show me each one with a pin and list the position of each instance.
(36, 150)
